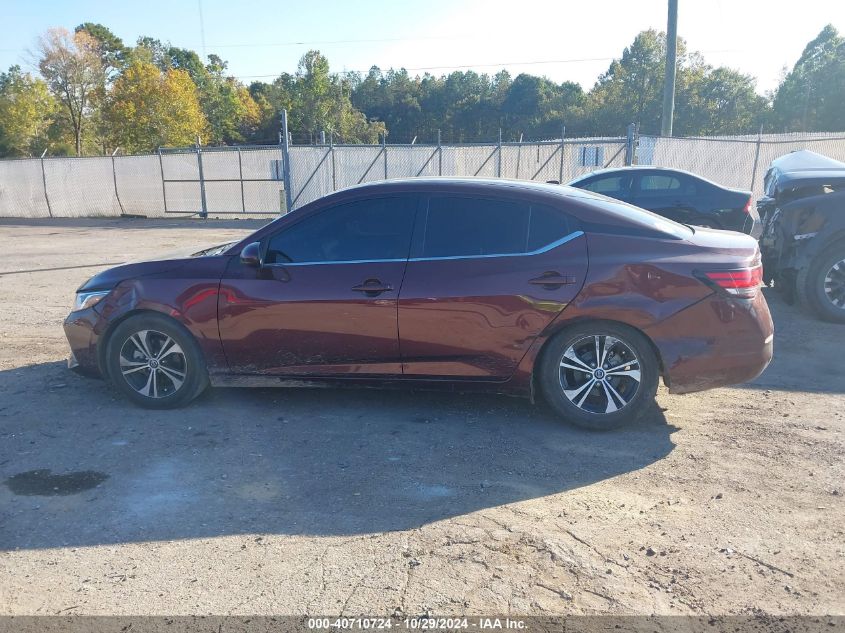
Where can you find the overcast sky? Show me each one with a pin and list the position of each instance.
(564, 40)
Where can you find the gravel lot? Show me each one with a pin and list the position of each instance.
(298, 501)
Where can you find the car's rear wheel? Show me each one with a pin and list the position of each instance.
(155, 362)
(599, 376)
(822, 284)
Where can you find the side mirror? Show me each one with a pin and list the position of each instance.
(251, 255)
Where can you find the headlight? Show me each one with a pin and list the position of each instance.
(89, 299)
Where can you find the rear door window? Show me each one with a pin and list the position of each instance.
(462, 226)
(665, 185)
(459, 226)
(546, 226)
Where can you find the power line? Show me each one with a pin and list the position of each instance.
(202, 30)
(355, 41)
(203, 45)
(494, 64)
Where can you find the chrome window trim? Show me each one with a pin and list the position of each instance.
(539, 251)
(348, 261)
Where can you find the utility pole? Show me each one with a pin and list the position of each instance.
(671, 67)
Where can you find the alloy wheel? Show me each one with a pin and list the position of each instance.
(834, 284)
(153, 364)
(600, 374)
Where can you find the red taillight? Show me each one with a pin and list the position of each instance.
(738, 283)
(747, 208)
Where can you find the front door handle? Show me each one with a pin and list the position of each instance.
(372, 287)
(551, 280)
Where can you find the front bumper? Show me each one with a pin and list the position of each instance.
(717, 342)
(81, 330)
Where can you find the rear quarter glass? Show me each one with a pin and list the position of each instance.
(629, 212)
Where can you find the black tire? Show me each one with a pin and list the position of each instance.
(151, 340)
(820, 285)
(595, 412)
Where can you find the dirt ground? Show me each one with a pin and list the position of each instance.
(363, 502)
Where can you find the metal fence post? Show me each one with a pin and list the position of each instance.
(518, 154)
(629, 144)
(286, 158)
(241, 176)
(439, 155)
(499, 156)
(562, 146)
(756, 158)
(204, 211)
(44, 182)
(384, 151)
(163, 181)
(334, 166)
(114, 177)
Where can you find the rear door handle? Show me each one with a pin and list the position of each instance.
(550, 280)
(372, 287)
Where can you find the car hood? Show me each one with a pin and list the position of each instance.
(109, 278)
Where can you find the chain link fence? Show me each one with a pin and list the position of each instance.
(250, 181)
(734, 161)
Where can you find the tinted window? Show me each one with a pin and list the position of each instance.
(646, 218)
(468, 227)
(362, 230)
(472, 226)
(658, 183)
(609, 185)
(669, 184)
(547, 225)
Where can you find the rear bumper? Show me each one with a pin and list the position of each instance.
(731, 343)
(81, 332)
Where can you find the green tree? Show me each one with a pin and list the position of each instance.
(630, 90)
(149, 108)
(537, 107)
(232, 113)
(322, 103)
(811, 95)
(114, 55)
(393, 97)
(707, 100)
(73, 70)
(720, 101)
(271, 99)
(27, 110)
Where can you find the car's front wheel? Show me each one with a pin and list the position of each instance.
(155, 362)
(599, 376)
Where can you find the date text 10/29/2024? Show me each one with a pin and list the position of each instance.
(422, 623)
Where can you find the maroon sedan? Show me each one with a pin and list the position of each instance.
(506, 286)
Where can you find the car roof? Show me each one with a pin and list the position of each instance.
(449, 183)
(588, 207)
(468, 186)
(806, 160)
(642, 168)
(613, 170)
(804, 167)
